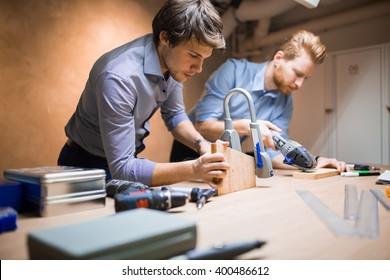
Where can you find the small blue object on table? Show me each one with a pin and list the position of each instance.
(7, 219)
(11, 194)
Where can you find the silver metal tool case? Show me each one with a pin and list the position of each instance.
(54, 190)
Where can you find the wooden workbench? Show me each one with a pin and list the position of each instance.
(272, 211)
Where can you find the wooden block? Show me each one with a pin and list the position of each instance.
(241, 174)
(316, 173)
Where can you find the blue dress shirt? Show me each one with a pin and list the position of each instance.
(273, 106)
(124, 89)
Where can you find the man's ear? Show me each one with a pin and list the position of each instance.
(279, 55)
(164, 38)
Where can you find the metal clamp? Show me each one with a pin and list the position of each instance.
(262, 159)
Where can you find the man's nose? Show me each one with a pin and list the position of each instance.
(299, 82)
(197, 67)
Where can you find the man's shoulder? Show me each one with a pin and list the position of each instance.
(126, 58)
(133, 50)
(243, 63)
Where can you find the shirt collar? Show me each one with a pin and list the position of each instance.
(258, 84)
(152, 63)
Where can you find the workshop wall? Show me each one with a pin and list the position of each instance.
(315, 134)
(47, 48)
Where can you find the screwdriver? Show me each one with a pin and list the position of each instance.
(224, 252)
(214, 149)
(203, 196)
(198, 195)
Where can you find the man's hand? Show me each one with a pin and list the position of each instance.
(341, 166)
(205, 146)
(211, 168)
(265, 127)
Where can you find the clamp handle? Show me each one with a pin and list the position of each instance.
(263, 161)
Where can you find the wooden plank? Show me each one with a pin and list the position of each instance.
(241, 174)
(315, 174)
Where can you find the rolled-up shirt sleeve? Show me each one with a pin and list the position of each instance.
(173, 109)
(116, 100)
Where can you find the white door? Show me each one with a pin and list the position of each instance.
(308, 122)
(357, 89)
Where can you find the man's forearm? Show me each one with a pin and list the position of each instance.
(171, 173)
(212, 129)
(186, 133)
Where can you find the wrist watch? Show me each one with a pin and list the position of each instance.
(197, 143)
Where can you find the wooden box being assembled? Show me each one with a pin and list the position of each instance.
(241, 174)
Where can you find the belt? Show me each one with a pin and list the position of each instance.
(76, 146)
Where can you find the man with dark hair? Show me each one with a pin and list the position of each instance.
(127, 85)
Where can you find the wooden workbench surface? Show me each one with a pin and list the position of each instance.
(272, 211)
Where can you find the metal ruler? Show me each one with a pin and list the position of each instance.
(360, 216)
(367, 221)
(350, 202)
(381, 198)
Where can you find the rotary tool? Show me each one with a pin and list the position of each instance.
(294, 153)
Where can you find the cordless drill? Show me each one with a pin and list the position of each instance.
(131, 195)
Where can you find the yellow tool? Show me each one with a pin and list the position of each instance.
(213, 151)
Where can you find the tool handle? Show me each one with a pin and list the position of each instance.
(263, 161)
(225, 252)
(213, 151)
(252, 110)
(213, 148)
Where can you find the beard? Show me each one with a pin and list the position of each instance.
(281, 84)
(173, 69)
(170, 68)
(176, 74)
